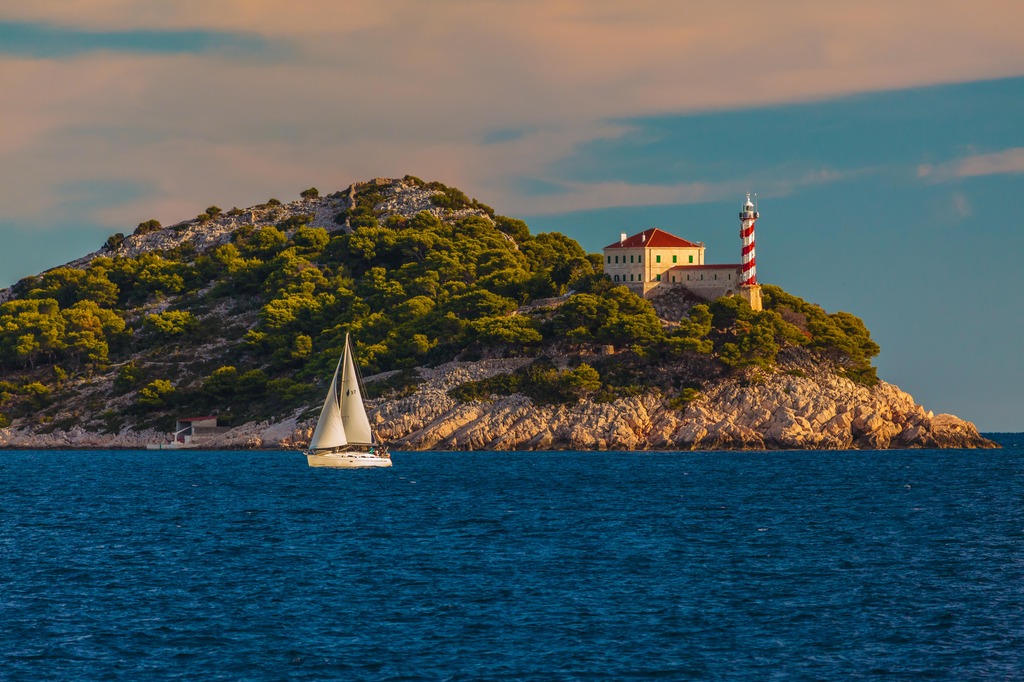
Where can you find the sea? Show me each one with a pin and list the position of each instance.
(200, 565)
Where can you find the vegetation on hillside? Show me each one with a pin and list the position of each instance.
(251, 328)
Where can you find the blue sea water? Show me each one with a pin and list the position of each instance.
(195, 565)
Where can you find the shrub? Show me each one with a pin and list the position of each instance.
(113, 241)
(128, 377)
(148, 226)
(156, 394)
(288, 391)
(581, 381)
(483, 389)
(222, 382)
(252, 384)
(517, 229)
(295, 221)
(172, 322)
(398, 385)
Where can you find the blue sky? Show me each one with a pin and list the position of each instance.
(883, 139)
(929, 263)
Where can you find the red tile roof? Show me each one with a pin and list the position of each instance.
(656, 238)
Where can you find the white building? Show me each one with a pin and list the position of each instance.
(655, 259)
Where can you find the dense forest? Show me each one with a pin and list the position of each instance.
(248, 329)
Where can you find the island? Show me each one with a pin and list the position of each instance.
(472, 333)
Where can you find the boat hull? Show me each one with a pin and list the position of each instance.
(347, 460)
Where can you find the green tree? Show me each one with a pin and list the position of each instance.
(693, 332)
(87, 328)
(303, 347)
(158, 393)
(581, 381)
(516, 229)
(128, 376)
(222, 382)
(516, 331)
(262, 243)
(30, 329)
(310, 240)
(252, 384)
(171, 323)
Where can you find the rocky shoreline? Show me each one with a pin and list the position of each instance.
(780, 411)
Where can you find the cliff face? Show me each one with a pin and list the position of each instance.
(819, 411)
(783, 411)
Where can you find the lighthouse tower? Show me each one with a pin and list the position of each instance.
(749, 288)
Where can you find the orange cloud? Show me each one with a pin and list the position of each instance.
(1007, 161)
(385, 87)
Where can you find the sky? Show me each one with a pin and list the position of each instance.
(883, 139)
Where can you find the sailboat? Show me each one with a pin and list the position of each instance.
(343, 437)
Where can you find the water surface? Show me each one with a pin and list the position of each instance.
(540, 566)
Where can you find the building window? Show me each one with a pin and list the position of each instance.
(658, 277)
(673, 278)
(640, 258)
(691, 259)
(716, 275)
(609, 259)
(657, 259)
(702, 277)
(630, 258)
(687, 278)
(631, 278)
(616, 259)
(675, 259)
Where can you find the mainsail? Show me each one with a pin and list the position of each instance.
(330, 428)
(353, 413)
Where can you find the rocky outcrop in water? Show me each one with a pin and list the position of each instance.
(818, 411)
(779, 411)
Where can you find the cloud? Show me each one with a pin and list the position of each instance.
(1007, 161)
(563, 197)
(477, 93)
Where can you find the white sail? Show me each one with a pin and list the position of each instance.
(330, 428)
(353, 413)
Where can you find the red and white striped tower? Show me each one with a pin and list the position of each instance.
(749, 288)
(748, 216)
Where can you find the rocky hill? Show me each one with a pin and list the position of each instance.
(476, 334)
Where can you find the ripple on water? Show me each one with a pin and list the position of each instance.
(513, 566)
